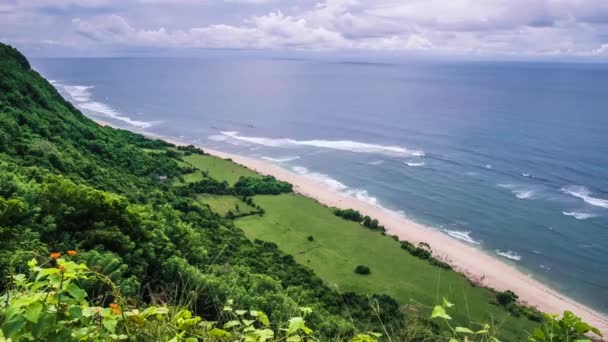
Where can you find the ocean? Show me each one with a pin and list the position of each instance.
(508, 157)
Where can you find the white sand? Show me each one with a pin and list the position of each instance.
(476, 264)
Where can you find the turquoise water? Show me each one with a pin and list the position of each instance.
(509, 157)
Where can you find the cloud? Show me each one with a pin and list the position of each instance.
(468, 27)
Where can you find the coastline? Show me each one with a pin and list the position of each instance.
(477, 265)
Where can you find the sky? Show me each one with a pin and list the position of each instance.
(520, 29)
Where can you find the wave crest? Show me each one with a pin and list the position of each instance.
(579, 215)
(585, 194)
(509, 254)
(281, 159)
(462, 235)
(83, 99)
(343, 145)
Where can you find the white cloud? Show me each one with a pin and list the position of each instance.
(490, 27)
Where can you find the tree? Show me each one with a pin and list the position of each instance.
(367, 221)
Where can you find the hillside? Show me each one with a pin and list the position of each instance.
(173, 226)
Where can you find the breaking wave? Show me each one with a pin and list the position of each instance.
(585, 194)
(335, 185)
(579, 215)
(519, 191)
(414, 164)
(376, 162)
(343, 145)
(509, 254)
(83, 99)
(281, 159)
(460, 235)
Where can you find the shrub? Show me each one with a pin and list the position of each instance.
(507, 297)
(311, 238)
(364, 270)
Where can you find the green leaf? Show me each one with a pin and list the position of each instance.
(294, 338)
(76, 292)
(32, 312)
(240, 312)
(231, 324)
(264, 334)
(464, 330)
(110, 324)
(248, 322)
(75, 312)
(13, 327)
(263, 318)
(295, 324)
(215, 332)
(447, 304)
(439, 312)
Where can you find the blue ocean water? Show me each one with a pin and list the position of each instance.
(509, 157)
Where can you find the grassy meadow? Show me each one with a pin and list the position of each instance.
(221, 204)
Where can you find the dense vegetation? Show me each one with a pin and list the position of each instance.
(161, 253)
(68, 183)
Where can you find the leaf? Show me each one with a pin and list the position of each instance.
(263, 318)
(215, 332)
(253, 313)
(240, 312)
(294, 338)
(32, 312)
(248, 322)
(231, 324)
(75, 312)
(306, 310)
(47, 271)
(447, 304)
(295, 324)
(439, 312)
(13, 327)
(110, 324)
(464, 330)
(76, 292)
(264, 334)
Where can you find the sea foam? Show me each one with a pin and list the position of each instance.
(343, 145)
(462, 235)
(83, 99)
(519, 191)
(585, 194)
(281, 159)
(579, 215)
(414, 164)
(509, 254)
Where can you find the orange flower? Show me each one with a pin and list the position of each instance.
(61, 268)
(113, 305)
(116, 311)
(72, 253)
(55, 255)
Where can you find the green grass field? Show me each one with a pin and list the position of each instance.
(340, 245)
(218, 168)
(222, 204)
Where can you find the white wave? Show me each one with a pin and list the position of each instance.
(337, 186)
(585, 194)
(509, 254)
(414, 164)
(217, 137)
(519, 191)
(545, 267)
(526, 175)
(82, 97)
(578, 215)
(460, 235)
(320, 178)
(343, 145)
(281, 159)
(488, 166)
(376, 162)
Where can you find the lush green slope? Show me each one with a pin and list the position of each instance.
(68, 183)
(339, 245)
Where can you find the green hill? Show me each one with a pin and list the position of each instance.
(156, 224)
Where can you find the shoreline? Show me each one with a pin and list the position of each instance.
(474, 263)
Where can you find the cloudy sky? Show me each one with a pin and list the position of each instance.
(476, 28)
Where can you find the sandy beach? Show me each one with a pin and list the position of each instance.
(476, 264)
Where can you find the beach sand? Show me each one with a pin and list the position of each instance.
(482, 268)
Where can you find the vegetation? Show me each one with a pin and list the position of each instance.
(162, 256)
(364, 270)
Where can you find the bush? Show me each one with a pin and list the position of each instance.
(507, 297)
(349, 214)
(311, 238)
(364, 270)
